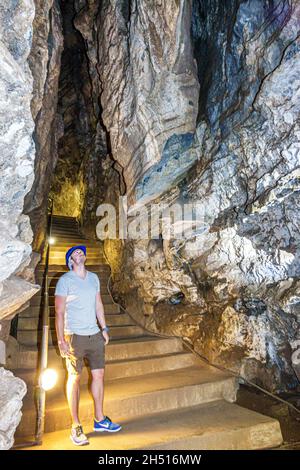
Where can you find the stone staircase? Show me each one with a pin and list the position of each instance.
(164, 396)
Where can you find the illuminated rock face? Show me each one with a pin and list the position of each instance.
(17, 151)
(196, 102)
(45, 64)
(232, 145)
(148, 82)
(12, 392)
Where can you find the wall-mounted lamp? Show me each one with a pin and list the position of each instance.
(48, 379)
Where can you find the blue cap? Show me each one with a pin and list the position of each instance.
(70, 251)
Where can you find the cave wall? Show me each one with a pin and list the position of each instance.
(170, 102)
(17, 157)
(79, 181)
(201, 102)
(45, 64)
(141, 58)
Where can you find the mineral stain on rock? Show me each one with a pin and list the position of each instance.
(177, 157)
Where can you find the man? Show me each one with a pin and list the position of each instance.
(78, 306)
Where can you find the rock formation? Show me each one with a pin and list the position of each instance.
(44, 61)
(171, 102)
(201, 105)
(77, 185)
(12, 391)
(17, 153)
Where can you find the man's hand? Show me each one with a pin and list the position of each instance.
(105, 336)
(64, 348)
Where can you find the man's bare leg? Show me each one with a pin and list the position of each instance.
(73, 394)
(97, 389)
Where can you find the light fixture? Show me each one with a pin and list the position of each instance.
(48, 379)
(51, 241)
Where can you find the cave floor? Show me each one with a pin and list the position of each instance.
(289, 419)
(247, 397)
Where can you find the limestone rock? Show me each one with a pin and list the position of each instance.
(17, 150)
(197, 102)
(16, 291)
(79, 182)
(241, 266)
(44, 62)
(12, 391)
(145, 62)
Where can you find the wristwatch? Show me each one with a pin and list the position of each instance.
(105, 329)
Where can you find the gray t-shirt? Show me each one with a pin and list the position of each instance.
(80, 314)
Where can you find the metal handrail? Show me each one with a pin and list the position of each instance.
(41, 393)
(196, 353)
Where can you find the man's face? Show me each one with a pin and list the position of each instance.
(78, 256)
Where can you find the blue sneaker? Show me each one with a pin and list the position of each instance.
(106, 425)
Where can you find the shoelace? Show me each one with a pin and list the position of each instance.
(79, 431)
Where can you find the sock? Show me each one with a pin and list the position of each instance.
(99, 421)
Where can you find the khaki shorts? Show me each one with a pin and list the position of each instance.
(90, 347)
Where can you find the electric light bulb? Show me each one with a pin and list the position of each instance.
(48, 379)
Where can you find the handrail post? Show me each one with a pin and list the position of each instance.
(41, 396)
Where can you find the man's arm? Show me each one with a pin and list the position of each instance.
(100, 310)
(100, 316)
(60, 308)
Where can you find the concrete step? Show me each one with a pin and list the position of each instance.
(70, 236)
(58, 236)
(103, 286)
(52, 285)
(33, 337)
(116, 350)
(65, 233)
(31, 323)
(131, 397)
(71, 225)
(36, 300)
(52, 281)
(62, 268)
(53, 276)
(103, 275)
(61, 249)
(65, 229)
(90, 259)
(90, 252)
(116, 369)
(218, 425)
(58, 269)
(35, 311)
(71, 241)
(62, 217)
(63, 220)
(59, 243)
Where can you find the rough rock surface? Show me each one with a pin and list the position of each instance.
(16, 291)
(12, 391)
(77, 185)
(241, 267)
(197, 102)
(17, 150)
(44, 61)
(144, 63)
